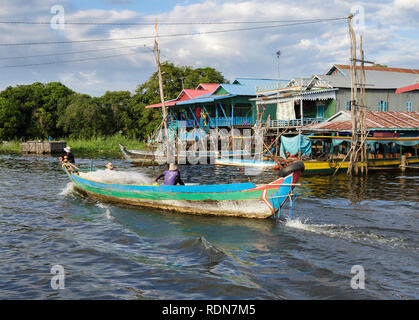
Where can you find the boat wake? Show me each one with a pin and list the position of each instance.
(67, 189)
(197, 252)
(117, 177)
(345, 232)
(107, 213)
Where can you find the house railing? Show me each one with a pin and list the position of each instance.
(293, 122)
(242, 121)
(227, 121)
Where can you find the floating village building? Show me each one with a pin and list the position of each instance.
(306, 101)
(217, 105)
(319, 104)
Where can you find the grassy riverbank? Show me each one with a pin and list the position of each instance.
(12, 147)
(94, 147)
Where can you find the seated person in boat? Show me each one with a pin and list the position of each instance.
(171, 176)
(290, 156)
(68, 157)
(109, 166)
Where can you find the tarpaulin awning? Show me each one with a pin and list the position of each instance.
(295, 144)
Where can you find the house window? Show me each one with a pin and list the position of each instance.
(348, 105)
(382, 106)
(320, 111)
(409, 106)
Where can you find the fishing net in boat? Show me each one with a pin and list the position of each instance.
(117, 177)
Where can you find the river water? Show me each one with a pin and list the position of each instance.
(118, 252)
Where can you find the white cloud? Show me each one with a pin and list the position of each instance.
(390, 37)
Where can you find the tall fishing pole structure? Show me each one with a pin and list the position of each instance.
(165, 139)
(358, 150)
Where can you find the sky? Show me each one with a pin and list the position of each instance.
(188, 36)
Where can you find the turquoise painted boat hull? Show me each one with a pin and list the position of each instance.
(237, 199)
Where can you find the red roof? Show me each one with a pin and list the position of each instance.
(187, 94)
(208, 86)
(408, 88)
(166, 103)
(192, 93)
(374, 120)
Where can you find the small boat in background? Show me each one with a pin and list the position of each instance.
(139, 157)
(146, 158)
(385, 152)
(245, 163)
(235, 199)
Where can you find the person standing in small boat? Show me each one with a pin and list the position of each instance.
(68, 157)
(171, 176)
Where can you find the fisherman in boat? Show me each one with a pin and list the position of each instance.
(109, 166)
(290, 156)
(68, 157)
(171, 176)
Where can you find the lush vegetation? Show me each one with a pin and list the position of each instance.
(39, 111)
(106, 146)
(9, 147)
(103, 146)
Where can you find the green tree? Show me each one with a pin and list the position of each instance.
(11, 120)
(147, 120)
(55, 99)
(83, 117)
(39, 105)
(143, 121)
(116, 105)
(40, 110)
(26, 98)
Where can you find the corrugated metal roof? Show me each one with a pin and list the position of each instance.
(166, 103)
(187, 94)
(314, 94)
(385, 69)
(195, 93)
(239, 89)
(412, 87)
(375, 77)
(206, 98)
(301, 82)
(373, 80)
(251, 83)
(208, 86)
(374, 120)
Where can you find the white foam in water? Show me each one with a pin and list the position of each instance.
(117, 177)
(101, 205)
(344, 232)
(67, 189)
(303, 225)
(108, 214)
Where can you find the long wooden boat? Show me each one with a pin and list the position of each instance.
(139, 157)
(245, 163)
(329, 166)
(374, 161)
(236, 199)
(144, 158)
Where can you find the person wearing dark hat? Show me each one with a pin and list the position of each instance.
(171, 176)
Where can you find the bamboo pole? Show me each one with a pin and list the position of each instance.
(352, 149)
(363, 114)
(354, 99)
(163, 106)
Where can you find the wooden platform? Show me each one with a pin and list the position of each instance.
(43, 147)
